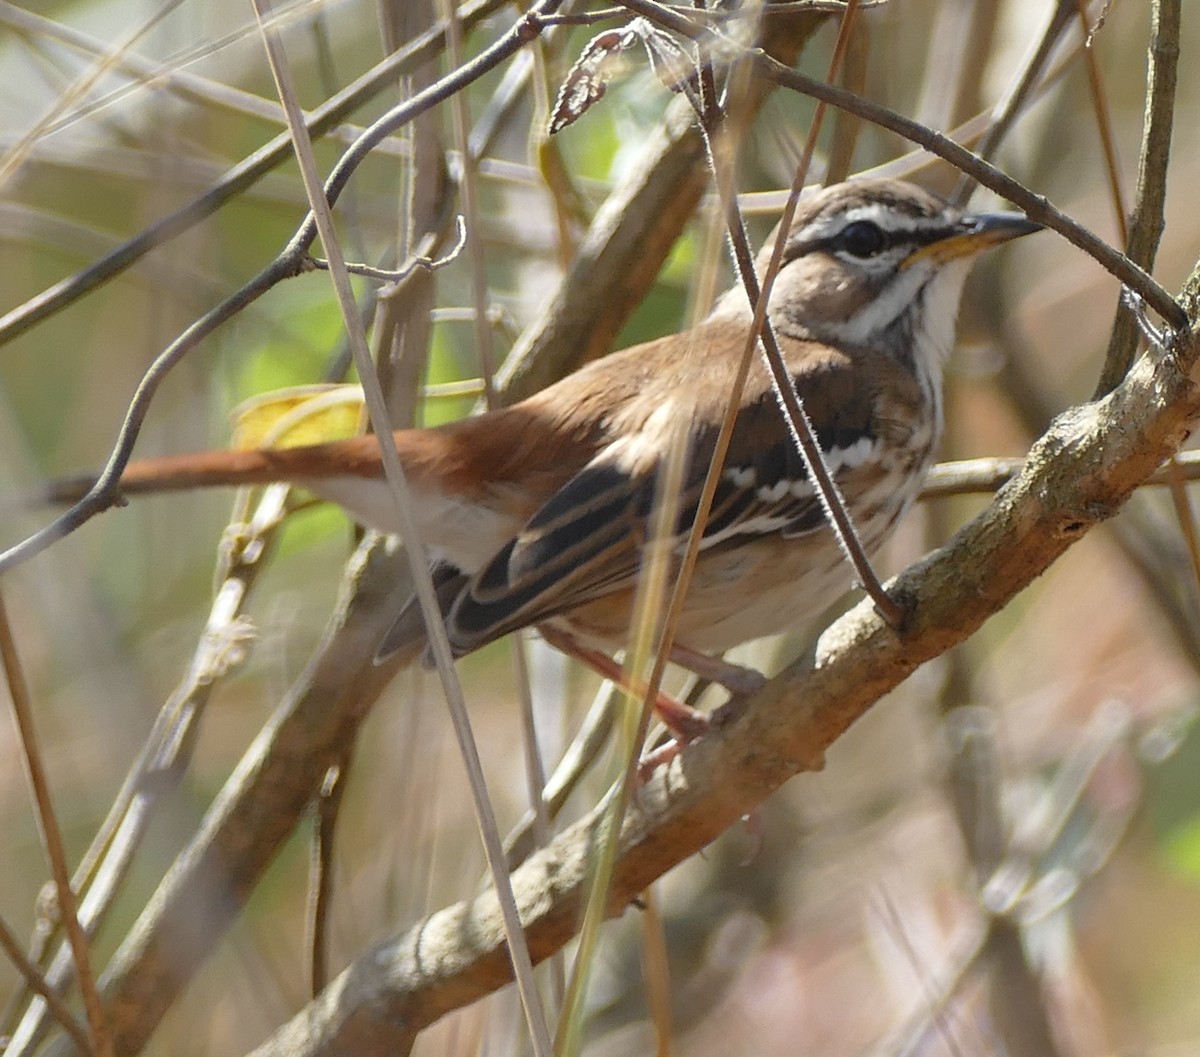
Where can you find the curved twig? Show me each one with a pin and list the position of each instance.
(243, 175)
(105, 493)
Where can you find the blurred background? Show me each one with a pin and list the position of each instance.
(847, 918)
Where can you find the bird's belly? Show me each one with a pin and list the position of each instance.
(776, 584)
(741, 594)
(749, 592)
(744, 592)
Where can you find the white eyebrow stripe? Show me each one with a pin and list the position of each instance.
(887, 217)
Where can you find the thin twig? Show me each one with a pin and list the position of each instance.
(320, 893)
(68, 906)
(34, 981)
(468, 179)
(106, 491)
(421, 259)
(1181, 503)
(981, 476)
(1147, 223)
(581, 755)
(321, 219)
(936, 994)
(913, 1037)
(656, 970)
(1104, 126)
(243, 175)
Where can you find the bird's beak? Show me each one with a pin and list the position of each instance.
(973, 234)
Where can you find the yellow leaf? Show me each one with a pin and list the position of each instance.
(303, 414)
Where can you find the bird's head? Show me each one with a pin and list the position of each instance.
(877, 262)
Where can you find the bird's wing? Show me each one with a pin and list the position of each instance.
(587, 540)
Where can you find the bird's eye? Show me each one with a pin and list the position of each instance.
(861, 238)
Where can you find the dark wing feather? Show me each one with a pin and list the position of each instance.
(586, 540)
(407, 632)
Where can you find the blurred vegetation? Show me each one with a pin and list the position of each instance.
(835, 916)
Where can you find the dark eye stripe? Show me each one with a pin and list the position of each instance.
(908, 237)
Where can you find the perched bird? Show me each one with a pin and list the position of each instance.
(538, 513)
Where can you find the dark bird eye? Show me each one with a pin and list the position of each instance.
(862, 238)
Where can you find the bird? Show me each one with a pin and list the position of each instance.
(539, 513)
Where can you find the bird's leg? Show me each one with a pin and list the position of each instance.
(736, 678)
(685, 723)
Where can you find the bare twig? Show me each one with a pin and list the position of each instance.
(321, 219)
(421, 259)
(581, 755)
(68, 906)
(468, 179)
(979, 476)
(1108, 147)
(243, 175)
(320, 895)
(1146, 225)
(33, 980)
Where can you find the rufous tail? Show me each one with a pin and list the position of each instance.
(358, 456)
